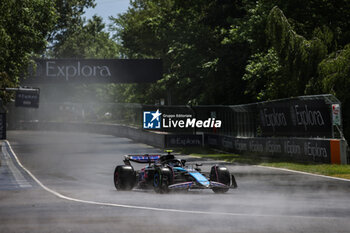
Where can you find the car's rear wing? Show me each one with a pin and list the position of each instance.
(145, 158)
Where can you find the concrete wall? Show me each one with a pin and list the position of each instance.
(307, 149)
(147, 137)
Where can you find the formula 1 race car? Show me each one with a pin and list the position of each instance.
(165, 173)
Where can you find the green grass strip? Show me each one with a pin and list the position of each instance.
(340, 171)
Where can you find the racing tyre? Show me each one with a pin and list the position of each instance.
(124, 177)
(162, 179)
(222, 175)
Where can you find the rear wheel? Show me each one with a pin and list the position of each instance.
(161, 180)
(222, 175)
(124, 177)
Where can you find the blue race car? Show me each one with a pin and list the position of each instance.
(165, 173)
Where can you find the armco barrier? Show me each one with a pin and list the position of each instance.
(307, 149)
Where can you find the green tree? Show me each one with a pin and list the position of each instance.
(188, 37)
(24, 26)
(89, 40)
(298, 57)
(69, 17)
(315, 29)
(262, 71)
(249, 50)
(335, 74)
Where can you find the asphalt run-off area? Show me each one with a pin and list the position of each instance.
(63, 182)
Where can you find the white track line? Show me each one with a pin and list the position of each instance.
(287, 170)
(59, 195)
(303, 173)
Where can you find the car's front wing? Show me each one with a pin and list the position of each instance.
(195, 185)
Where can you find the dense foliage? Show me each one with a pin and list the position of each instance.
(24, 26)
(69, 18)
(213, 51)
(233, 51)
(28, 28)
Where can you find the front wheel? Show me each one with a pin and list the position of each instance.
(222, 175)
(161, 180)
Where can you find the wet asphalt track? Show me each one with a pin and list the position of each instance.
(81, 166)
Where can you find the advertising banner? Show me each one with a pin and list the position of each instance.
(28, 99)
(317, 150)
(296, 118)
(95, 71)
(183, 140)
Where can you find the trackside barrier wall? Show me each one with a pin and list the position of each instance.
(147, 137)
(305, 127)
(304, 116)
(305, 149)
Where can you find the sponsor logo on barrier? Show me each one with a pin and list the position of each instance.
(303, 118)
(315, 150)
(155, 120)
(185, 141)
(307, 117)
(241, 146)
(256, 147)
(303, 149)
(291, 148)
(273, 147)
(273, 119)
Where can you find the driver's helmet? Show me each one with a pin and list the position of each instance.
(174, 163)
